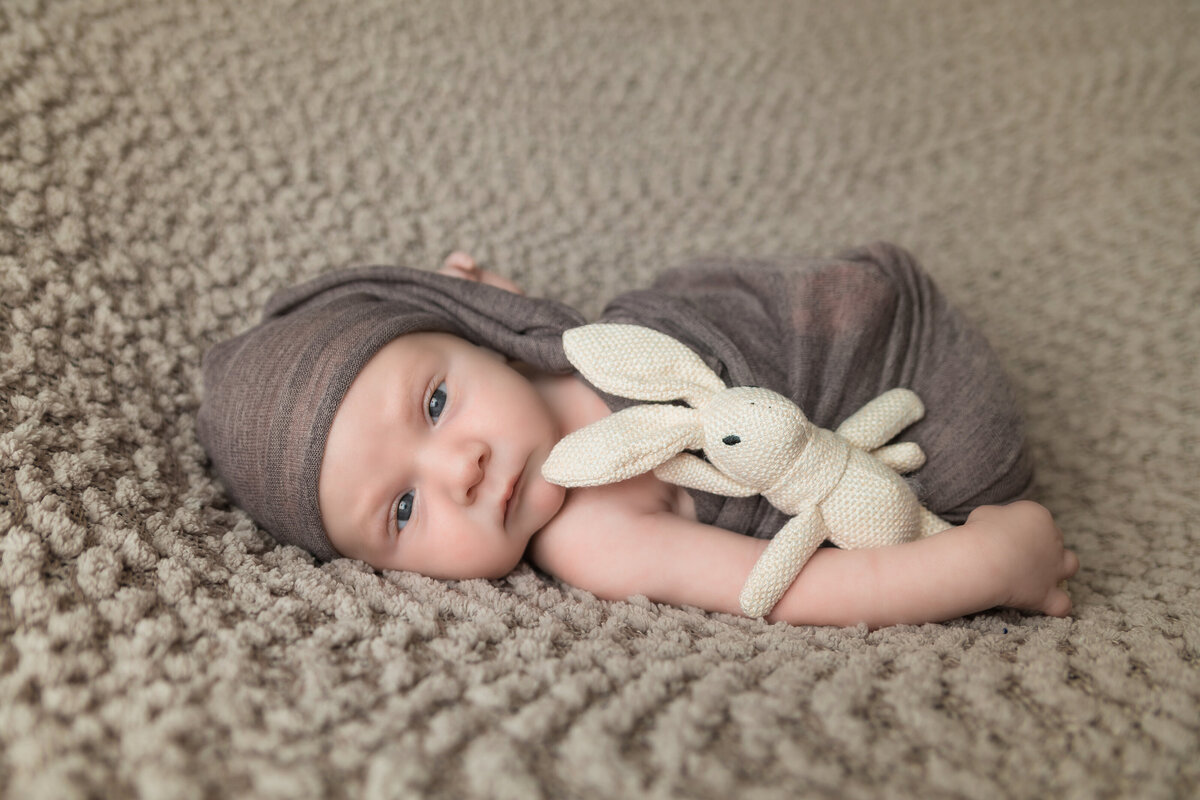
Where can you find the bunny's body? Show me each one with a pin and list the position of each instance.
(842, 486)
(873, 508)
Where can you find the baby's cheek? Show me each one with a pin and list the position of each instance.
(457, 559)
(474, 554)
(545, 501)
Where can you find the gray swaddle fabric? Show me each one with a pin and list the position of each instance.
(829, 333)
(832, 334)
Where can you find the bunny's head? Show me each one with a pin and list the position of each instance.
(751, 435)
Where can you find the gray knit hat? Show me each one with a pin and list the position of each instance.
(270, 394)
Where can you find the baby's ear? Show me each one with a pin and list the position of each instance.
(639, 363)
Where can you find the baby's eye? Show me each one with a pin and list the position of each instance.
(404, 509)
(437, 401)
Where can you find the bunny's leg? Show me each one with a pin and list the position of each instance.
(882, 418)
(931, 523)
(781, 562)
(902, 457)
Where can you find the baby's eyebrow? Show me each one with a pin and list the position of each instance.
(409, 388)
(413, 397)
(381, 521)
(402, 404)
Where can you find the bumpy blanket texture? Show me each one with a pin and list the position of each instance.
(165, 166)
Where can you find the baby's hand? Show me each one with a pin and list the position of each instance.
(460, 265)
(1027, 549)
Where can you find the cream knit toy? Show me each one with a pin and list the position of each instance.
(838, 485)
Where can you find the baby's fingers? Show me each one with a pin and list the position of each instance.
(1057, 603)
(461, 265)
(1070, 564)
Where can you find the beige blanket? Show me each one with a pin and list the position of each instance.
(164, 166)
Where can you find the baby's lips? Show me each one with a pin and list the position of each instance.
(510, 492)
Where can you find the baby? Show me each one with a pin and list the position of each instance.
(367, 418)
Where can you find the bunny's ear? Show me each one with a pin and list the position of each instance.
(639, 363)
(622, 445)
(696, 473)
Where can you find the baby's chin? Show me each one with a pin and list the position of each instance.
(498, 570)
(547, 500)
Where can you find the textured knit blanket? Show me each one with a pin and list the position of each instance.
(166, 166)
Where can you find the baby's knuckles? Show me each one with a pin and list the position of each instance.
(1024, 511)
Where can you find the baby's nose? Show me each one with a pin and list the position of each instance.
(465, 468)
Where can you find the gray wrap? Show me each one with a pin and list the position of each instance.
(832, 334)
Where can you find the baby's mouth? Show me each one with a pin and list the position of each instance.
(509, 499)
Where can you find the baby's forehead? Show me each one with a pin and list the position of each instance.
(419, 343)
(410, 351)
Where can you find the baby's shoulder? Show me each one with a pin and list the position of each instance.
(591, 517)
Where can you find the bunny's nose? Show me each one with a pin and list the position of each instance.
(731, 439)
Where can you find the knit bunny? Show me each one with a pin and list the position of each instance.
(838, 485)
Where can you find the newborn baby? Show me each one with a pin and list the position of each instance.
(409, 432)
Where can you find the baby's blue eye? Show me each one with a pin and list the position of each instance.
(404, 509)
(437, 401)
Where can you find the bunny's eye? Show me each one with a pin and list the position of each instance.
(731, 439)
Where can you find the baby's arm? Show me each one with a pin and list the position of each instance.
(1002, 556)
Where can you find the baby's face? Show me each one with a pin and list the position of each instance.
(434, 461)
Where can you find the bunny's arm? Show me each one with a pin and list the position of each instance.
(783, 559)
(878, 421)
(687, 470)
(902, 457)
